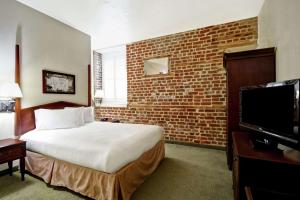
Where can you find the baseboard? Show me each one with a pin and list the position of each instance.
(6, 171)
(196, 145)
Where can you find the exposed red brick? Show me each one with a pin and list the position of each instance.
(190, 101)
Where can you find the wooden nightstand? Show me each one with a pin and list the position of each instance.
(10, 150)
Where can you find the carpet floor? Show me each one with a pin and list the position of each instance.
(187, 173)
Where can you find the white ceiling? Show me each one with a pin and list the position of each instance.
(114, 22)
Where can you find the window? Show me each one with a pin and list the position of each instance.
(114, 76)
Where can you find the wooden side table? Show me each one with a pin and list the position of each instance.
(262, 174)
(10, 150)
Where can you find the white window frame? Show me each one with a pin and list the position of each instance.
(114, 102)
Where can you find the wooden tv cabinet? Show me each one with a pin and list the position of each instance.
(267, 173)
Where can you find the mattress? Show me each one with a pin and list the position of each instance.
(102, 146)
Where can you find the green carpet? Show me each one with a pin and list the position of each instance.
(186, 173)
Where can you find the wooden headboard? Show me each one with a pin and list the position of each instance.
(27, 119)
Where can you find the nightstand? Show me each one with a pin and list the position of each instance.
(10, 150)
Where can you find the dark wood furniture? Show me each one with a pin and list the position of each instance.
(248, 193)
(10, 150)
(89, 86)
(262, 174)
(245, 68)
(17, 80)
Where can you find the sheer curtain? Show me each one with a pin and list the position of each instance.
(114, 77)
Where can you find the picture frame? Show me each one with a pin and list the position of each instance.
(58, 83)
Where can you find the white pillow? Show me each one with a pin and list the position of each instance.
(88, 113)
(57, 118)
(80, 114)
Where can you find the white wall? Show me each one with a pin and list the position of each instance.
(8, 24)
(6, 130)
(45, 44)
(278, 25)
(6, 124)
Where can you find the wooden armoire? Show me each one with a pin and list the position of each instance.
(244, 68)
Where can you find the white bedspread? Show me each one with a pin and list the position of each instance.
(103, 146)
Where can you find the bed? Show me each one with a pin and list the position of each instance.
(101, 160)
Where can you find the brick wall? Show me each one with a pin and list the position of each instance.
(190, 102)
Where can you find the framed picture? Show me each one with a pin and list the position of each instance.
(58, 83)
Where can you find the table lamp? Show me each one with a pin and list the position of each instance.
(99, 94)
(8, 93)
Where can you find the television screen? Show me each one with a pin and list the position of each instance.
(273, 110)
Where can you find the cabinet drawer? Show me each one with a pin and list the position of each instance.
(12, 153)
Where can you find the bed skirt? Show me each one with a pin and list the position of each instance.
(93, 183)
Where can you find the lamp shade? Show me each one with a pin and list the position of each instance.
(99, 94)
(10, 90)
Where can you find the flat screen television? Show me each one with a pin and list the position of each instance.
(271, 112)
